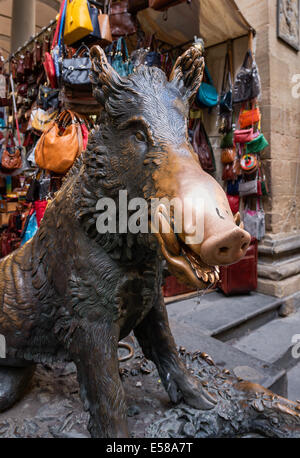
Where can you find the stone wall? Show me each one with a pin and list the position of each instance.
(279, 260)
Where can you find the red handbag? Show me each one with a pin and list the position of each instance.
(49, 67)
(234, 203)
(243, 136)
(240, 277)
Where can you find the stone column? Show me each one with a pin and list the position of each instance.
(23, 22)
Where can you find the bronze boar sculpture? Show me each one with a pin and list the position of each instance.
(72, 293)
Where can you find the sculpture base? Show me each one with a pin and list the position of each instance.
(53, 407)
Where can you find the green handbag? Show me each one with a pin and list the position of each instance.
(257, 144)
(121, 61)
(227, 140)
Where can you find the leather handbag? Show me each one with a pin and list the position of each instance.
(250, 188)
(95, 34)
(247, 83)
(162, 5)
(254, 220)
(49, 67)
(121, 22)
(243, 135)
(227, 140)
(257, 144)
(11, 156)
(76, 71)
(60, 144)
(78, 22)
(207, 95)
(249, 117)
(41, 119)
(249, 163)
(203, 148)
(228, 155)
(234, 203)
(226, 92)
(241, 277)
(48, 98)
(152, 57)
(104, 26)
(229, 173)
(121, 62)
(233, 187)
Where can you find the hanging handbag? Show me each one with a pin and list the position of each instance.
(121, 22)
(254, 220)
(226, 92)
(249, 117)
(234, 203)
(227, 140)
(152, 58)
(76, 71)
(104, 26)
(207, 95)
(250, 187)
(48, 98)
(121, 62)
(247, 82)
(41, 119)
(11, 157)
(249, 163)
(228, 155)
(203, 148)
(233, 187)
(78, 22)
(60, 144)
(229, 173)
(95, 35)
(31, 228)
(243, 135)
(257, 144)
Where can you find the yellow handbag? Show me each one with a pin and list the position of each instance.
(40, 119)
(78, 22)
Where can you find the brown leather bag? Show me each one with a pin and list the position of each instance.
(104, 25)
(121, 22)
(60, 144)
(11, 157)
(228, 155)
(203, 148)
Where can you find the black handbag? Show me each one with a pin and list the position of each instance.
(48, 98)
(247, 83)
(76, 71)
(226, 92)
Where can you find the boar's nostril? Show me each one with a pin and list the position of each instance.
(223, 250)
(245, 245)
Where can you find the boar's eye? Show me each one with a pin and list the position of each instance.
(140, 136)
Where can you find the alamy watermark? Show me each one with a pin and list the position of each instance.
(296, 346)
(296, 87)
(164, 215)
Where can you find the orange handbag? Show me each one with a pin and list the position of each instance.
(249, 117)
(60, 144)
(228, 155)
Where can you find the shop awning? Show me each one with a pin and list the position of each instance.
(213, 20)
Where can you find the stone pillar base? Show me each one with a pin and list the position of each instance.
(279, 265)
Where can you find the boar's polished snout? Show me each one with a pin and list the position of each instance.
(226, 248)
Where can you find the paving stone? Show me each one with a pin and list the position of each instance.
(273, 341)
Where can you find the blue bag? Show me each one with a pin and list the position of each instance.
(207, 95)
(30, 230)
(123, 67)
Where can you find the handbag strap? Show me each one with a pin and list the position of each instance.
(58, 25)
(227, 73)
(80, 50)
(62, 25)
(122, 42)
(208, 76)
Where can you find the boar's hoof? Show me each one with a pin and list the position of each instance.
(13, 383)
(200, 399)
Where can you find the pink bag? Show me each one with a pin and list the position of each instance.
(243, 136)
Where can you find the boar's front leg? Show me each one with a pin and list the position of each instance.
(94, 349)
(155, 337)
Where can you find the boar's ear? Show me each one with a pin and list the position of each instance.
(104, 78)
(187, 73)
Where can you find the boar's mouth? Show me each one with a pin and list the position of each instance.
(185, 264)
